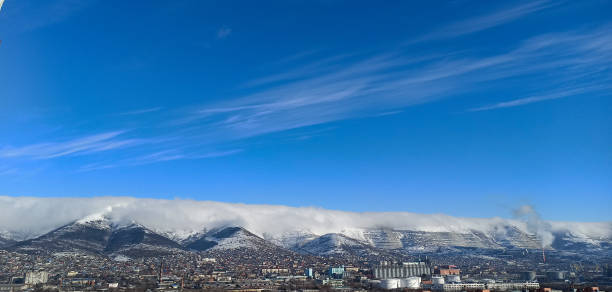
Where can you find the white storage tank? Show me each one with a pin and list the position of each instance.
(453, 279)
(528, 276)
(437, 280)
(390, 283)
(411, 283)
(555, 275)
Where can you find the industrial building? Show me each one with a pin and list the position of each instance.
(555, 275)
(405, 270)
(409, 283)
(437, 280)
(462, 286)
(447, 270)
(11, 287)
(528, 275)
(453, 279)
(513, 286)
(33, 278)
(274, 271)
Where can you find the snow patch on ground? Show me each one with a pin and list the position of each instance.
(121, 258)
(240, 239)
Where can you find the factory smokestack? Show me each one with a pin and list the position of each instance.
(543, 256)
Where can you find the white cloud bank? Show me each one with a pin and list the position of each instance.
(25, 217)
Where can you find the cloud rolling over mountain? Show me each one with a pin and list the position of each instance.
(27, 217)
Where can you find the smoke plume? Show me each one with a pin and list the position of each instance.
(535, 224)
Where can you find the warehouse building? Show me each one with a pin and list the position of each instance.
(405, 270)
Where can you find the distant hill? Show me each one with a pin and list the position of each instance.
(140, 228)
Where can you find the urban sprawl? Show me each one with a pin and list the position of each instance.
(248, 270)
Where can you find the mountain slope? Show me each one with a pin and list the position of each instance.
(228, 238)
(29, 218)
(137, 241)
(6, 242)
(78, 236)
(99, 237)
(99, 227)
(335, 244)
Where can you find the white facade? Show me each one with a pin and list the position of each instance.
(462, 286)
(453, 279)
(33, 278)
(410, 283)
(390, 284)
(437, 280)
(513, 286)
(407, 269)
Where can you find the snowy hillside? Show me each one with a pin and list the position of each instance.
(129, 225)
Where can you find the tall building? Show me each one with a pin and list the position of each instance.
(309, 273)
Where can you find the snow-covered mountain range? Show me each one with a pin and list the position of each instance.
(141, 227)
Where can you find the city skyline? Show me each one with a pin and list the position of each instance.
(469, 109)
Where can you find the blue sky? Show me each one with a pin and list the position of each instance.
(469, 108)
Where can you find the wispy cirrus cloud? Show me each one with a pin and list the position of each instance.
(318, 66)
(544, 97)
(27, 16)
(173, 154)
(353, 86)
(159, 156)
(140, 111)
(8, 171)
(390, 81)
(82, 145)
(312, 90)
(486, 21)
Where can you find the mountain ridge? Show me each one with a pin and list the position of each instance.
(135, 240)
(27, 217)
(184, 225)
